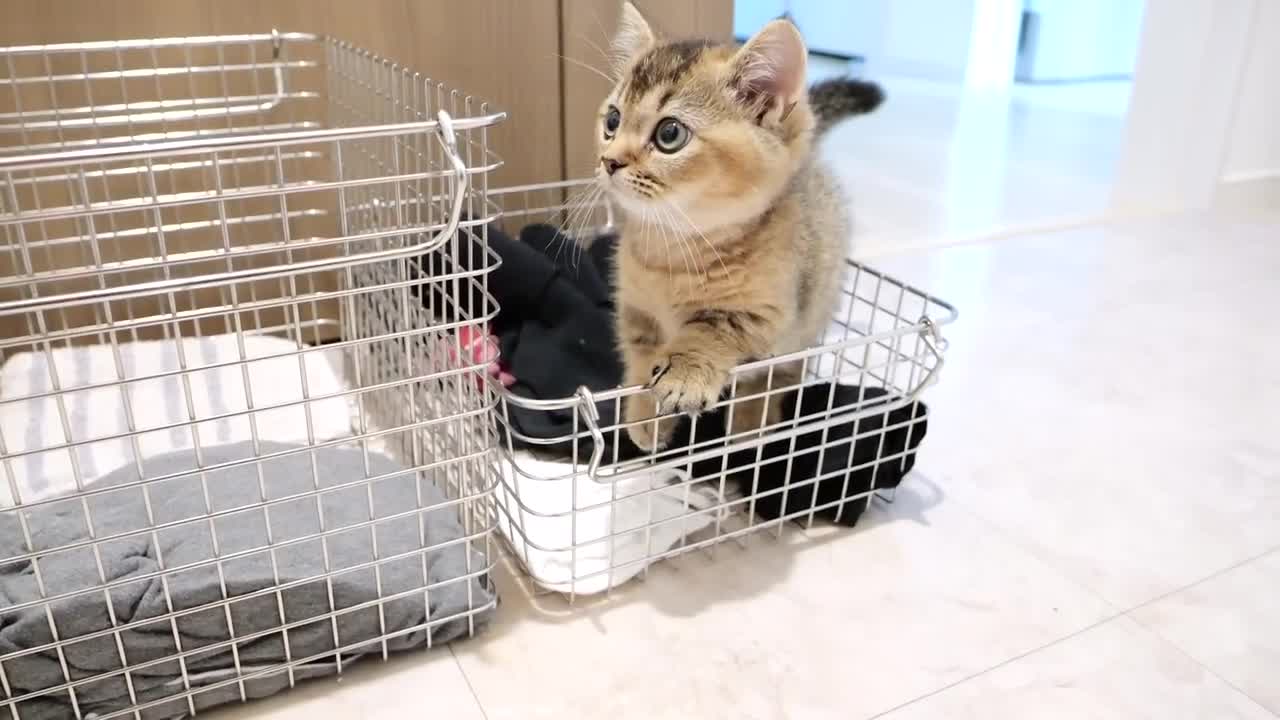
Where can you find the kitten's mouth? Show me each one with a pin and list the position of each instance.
(631, 187)
(632, 199)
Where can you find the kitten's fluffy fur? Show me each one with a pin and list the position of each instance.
(733, 246)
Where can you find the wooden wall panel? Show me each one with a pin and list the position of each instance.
(587, 32)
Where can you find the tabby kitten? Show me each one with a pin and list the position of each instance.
(734, 235)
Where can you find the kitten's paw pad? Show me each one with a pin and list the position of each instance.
(687, 384)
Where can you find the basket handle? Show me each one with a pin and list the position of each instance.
(929, 334)
(459, 184)
(591, 418)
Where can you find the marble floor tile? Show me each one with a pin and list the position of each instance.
(815, 625)
(1231, 624)
(1116, 671)
(1105, 401)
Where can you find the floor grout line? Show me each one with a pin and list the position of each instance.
(1065, 638)
(999, 665)
(1013, 538)
(1115, 614)
(1207, 578)
(1017, 545)
(1182, 651)
(467, 679)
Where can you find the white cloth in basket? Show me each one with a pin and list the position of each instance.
(37, 423)
(621, 535)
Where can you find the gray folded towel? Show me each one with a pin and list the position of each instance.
(262, 548)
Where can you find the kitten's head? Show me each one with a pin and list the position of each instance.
(715, 131)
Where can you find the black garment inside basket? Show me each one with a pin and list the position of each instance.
(555, 327)
(820, 470)
(554, 324)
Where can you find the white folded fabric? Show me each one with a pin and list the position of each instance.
(155, 404)
(568, 544)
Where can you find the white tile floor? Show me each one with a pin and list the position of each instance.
(1093, 530)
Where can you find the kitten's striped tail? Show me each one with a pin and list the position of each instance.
(839, 98)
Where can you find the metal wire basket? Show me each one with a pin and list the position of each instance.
(223, 242)
(581, 516)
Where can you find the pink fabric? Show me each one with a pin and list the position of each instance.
(481, 348)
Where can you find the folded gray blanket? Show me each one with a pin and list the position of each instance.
(262, 548)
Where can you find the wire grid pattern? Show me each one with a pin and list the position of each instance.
(884, 334)
(290, 187)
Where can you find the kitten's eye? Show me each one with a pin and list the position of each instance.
(671, 135)
(612, 119)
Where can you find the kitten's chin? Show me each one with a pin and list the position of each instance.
(628, 200)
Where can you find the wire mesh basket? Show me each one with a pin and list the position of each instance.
(583, 510)
(239, 445)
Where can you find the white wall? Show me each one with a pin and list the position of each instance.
(1180, 127)
(750, 15)
(925, 39)
(912, 38)
(1083, 39)
(1254, 148)
(840, 28)
(843, 28)
(993, 51)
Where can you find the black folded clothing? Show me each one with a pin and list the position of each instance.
(555, 329)
(554, 325)
(824, 470)
(872, 452)
(561, 337)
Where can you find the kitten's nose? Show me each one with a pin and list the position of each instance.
(611, 166)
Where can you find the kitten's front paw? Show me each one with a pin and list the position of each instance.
(686, 383)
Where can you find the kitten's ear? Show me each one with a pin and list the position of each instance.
(770, 68)
(634, 38)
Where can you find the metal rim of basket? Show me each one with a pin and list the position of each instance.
(928, 331)
(444, 126)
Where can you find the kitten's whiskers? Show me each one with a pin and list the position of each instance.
(581, 204)
(587, 66)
